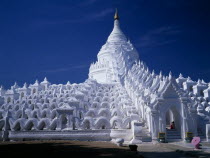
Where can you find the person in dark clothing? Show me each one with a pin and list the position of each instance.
(172, 126)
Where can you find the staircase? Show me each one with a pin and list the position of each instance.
(201, 135)
(173, 135)
(147, 136)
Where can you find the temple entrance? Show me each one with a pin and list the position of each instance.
(65, 114)
(87, 124)
(169, 119)
(64, 121)
(173, 126)
(173, 119)
(22, 95)
(8, 100)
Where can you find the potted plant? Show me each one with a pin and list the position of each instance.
(133, 147)
(161, 137)
(189, 137)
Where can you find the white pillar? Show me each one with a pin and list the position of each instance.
(154, 124)
(184, 124)
(194, 122)
(69, 122)
(208, 132)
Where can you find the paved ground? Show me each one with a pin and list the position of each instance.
(205, 146)
(169, 150)
(83, 149)
(64, 149)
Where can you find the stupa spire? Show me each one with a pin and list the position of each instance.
(116, 16)
(116, 34)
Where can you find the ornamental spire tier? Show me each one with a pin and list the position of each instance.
(115, 58)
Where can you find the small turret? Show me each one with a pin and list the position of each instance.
(170, 75)
(180, 80)
(36, 82)
(24, 91)
(25, 85)
(35, 87)
(153, 73)
(188, 84)
(45, 84)
(2, 91)
(45, 79)
(160, 75)
(203, 82)
(207, 93)
(198, 88)
(15, 86)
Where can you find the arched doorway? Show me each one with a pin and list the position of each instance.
(87, 124)
(103, 127)
(173, 130)
(80, 115)
(8, 100)
(34, 90)
(22, 95)
(64, 121)
(169, 118)
(114, 126)
(172, 115)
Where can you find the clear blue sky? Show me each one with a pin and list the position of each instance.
(59, 39)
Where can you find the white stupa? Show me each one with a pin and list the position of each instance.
(116, 56)
(121, 98)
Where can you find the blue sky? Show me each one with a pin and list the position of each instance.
(59, 39)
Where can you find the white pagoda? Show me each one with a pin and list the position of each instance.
(121, 98)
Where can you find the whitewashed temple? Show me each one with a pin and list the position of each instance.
(121, 98)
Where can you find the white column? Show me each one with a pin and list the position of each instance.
(208, 132)
(154, 123)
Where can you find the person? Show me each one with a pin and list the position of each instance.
(172, 126)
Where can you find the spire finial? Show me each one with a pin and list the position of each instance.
(116, 16)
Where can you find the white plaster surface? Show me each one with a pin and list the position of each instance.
(121, 89)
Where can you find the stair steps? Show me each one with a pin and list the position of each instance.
(201, 135)
(173, 135)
